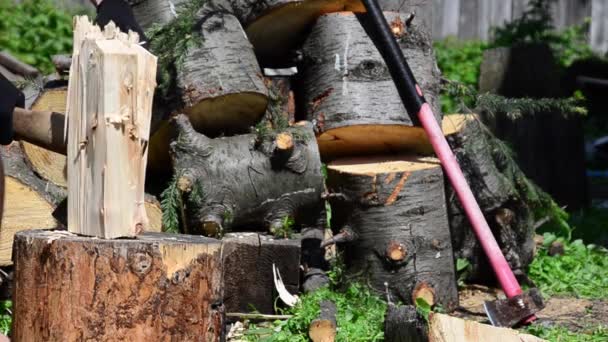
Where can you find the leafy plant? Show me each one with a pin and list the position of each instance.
(423, 308)
(285, 230)
(170, 42)
(360, 317)
(463, 267)
(459, 61)
(6, 319)
(171, 204)
(582, 270)
(34, 30)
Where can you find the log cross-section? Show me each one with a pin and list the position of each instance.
(112, 82)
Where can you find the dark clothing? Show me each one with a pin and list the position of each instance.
(10, 97)
(121, 14)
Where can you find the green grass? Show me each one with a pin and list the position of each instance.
(5, 318)
(561, 334)
(582, 271)
(360, 317)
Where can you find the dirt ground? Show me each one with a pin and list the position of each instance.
(573, 313)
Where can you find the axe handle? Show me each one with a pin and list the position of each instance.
(414, 101)
(41, 128)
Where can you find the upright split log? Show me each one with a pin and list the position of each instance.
(109, 115)
(348, 92)
(395, 207)
(248, 277)
(246, 184)
(158, 287)
(324, 327)
(501, 189)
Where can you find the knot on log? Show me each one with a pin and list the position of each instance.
(396, 251)
(140, 264)
(424, 291)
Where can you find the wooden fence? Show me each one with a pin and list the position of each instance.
(474, 19)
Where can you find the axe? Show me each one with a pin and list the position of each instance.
(519, 306)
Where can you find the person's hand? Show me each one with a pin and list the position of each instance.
(10, 97)
(121, 14)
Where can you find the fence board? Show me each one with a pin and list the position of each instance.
(446, 18)
(599, 25)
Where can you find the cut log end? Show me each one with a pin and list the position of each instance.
(232, 113)
(396, 251)
(382, 164)
(424, 291)
(284, 142)
(373, 139)
(324, 328)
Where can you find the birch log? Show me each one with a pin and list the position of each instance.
(156, 287)
(348, 92)
(112, 81)
(219, 81)
(244, 184)
(395, 207)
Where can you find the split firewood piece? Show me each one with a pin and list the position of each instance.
(156, 287)
(240, 180)
(108, 115)
(395, 206)
(218, 79)
(248, 270)
(349, 94)
(403, 324)
(46, 148)
(324, 327)
(29, 200)
(500, 188)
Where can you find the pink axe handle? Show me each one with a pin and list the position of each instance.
(501, 268)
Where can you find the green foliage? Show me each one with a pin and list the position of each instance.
(582, 270)
(423, 308)
(561, 334)
(458, 61)
(6, 318)
(535, 26)
(285, 230)
(360, 317)
(34, 30)
(171, 204)
(463, 267)
(170, 43)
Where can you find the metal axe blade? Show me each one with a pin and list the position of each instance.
(510, 311)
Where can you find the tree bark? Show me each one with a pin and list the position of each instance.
(348, 92)
(324, 327)
(396, 207)
(248, 277)
(158, 287)
(219, 81)
(16, 66)
(223, 86)
(497, 183)
(245, 184)
(109, 114)
(402, 324)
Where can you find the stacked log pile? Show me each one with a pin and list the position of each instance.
(245, 151)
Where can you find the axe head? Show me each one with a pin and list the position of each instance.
(508, 312)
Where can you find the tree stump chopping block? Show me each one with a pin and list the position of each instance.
(242, 180)
(348, 92)
(248, 277)
(158, 287)
(395, 207)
